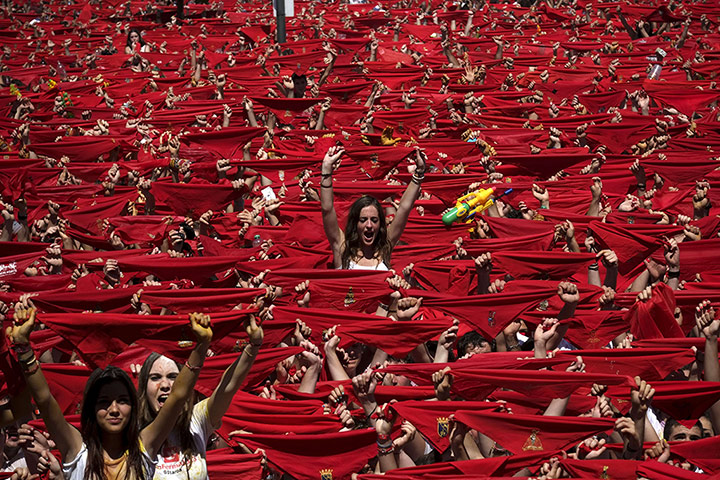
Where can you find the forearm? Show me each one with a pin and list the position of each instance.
(594, 275)
(251, 117)
(483, 276)
(611, 275)
(557, 407)
(320, 121)
(441, 354)
(640, 282)
(231, 380)
(335, 368)
(712, 374)
(387, 461)
(573, 245)
(309, 380)
(6, 235)
(185, 381)
(554, 342)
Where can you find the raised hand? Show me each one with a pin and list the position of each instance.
(568, 292)
(23, 323)
(641, 396)
(706, 321)
(545, 330)
(254, 331)
(408, 307)
(442, 380)
(200, 325)
(331, 161)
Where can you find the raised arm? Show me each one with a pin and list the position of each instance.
(155, 434)
(709, 326)
(235, 374)
(67, 438)
(412, 192)
(327, 203)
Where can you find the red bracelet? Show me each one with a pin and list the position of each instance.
(191, 368)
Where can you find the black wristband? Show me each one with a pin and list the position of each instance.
(642, 186)
(673, 274)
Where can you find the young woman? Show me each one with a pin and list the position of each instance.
(135, 42)
(110, 445)
(182, 456)
(367, 241)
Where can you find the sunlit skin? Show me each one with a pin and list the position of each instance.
(160, 381)
(113, 408)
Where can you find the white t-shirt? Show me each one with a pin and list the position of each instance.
(171, 461)
(75, 469)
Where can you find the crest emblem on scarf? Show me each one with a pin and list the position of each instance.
(350, 297)
(326, 474)
(374, 160)
(533, 442)
(443, 427)
(491, 318)
(604, 475)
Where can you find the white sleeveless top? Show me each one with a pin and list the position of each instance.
(379, 266)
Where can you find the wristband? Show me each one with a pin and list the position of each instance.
(249, 353)
(671, 274)
(594, 267)
(383, 439)
(386, 450)
(31, 367)
(326, 175)
(642, 186)
(21, 348)
(191, 368)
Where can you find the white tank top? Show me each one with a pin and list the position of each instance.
(379, 266)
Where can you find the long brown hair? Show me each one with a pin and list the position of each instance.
(91, 433)
(353, 243)
(182, 424)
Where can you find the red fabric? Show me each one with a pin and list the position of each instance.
(194, 199)
(680, 400)
(655, 318)
(631, 248)
(223, 464)
(542, 265)
(522, 433)
(99, 337)
(615, 469)
(650, 364)
(431, 418)
(263, 366)
(225, 143)
(307, 456)
(654, 470)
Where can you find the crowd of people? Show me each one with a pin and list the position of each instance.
(518, 271)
